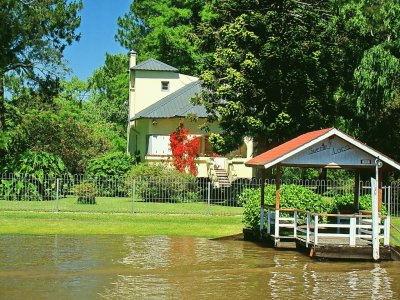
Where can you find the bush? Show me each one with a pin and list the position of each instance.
(344, 203)
(250, 199)
(110, 164)
(108, 170)
(86, 193)
(159, 183)
(347, 201)
(299, 197)
(292, 196)
(19, 190)
(35, 173)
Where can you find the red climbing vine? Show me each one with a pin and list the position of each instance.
(184, 150)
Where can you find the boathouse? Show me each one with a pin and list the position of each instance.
(359, 235)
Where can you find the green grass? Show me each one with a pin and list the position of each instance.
(396, 222)
(120, 205)
(124, 224)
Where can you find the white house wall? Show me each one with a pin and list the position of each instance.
(146, 87)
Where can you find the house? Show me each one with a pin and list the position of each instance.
(159, 100)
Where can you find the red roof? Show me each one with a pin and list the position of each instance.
(285, 148)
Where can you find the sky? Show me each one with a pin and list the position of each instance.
(98, 27)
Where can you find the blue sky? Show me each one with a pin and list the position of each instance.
(98, 27)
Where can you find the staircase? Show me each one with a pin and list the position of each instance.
(222, 178)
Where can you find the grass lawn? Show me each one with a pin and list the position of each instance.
(125, 224)
(121, 205)
(396, 222)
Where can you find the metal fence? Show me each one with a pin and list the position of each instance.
(112, 194)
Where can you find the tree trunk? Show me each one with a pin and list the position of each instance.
(2, 105)
(262, 145)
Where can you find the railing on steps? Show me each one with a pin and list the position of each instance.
(218, 177)
(313, 226)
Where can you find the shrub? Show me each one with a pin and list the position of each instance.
(365, 203)
(344, 203)
(251, 207)
(292, 196)
(110, 164)
(19, 190)
(36, 172)
(158, 182)
(108, 170)
(86, 193)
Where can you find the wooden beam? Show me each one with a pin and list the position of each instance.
(356, 190)
(263, 175)
(278, 187)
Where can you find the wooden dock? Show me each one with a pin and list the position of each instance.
(338, 248)
(331, 247)
(349, 238)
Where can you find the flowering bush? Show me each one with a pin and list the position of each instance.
(184, 150)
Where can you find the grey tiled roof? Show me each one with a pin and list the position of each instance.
(176, 104)
(154, 65)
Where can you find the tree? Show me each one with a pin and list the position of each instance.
(34, 36)
(60, 134)
(274, 70)
(108, 90)
(370, 100)
(165, 30)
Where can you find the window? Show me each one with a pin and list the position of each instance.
(165, 85)
(158, 145)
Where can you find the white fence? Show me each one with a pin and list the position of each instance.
(354, 229)
(113, 194)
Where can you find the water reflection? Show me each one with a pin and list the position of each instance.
(160, 267)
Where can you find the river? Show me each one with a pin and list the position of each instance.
(164, 267)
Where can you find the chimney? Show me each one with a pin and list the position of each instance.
(132, 59)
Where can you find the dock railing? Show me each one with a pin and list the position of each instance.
(313, 227)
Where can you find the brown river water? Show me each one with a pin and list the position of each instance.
(164, 267)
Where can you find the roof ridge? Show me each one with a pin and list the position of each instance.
(163, 66)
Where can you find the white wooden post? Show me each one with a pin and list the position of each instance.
(276, 223)
(352, 231)
(386, 231)
(389, 201)
(269, 221)
(295, 224)
(209, 198)
(308, 229)
(316, 230)
(375, 217)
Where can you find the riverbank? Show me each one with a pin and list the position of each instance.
(127, 224)
(123, 224)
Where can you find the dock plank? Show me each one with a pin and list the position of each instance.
(339, 248)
